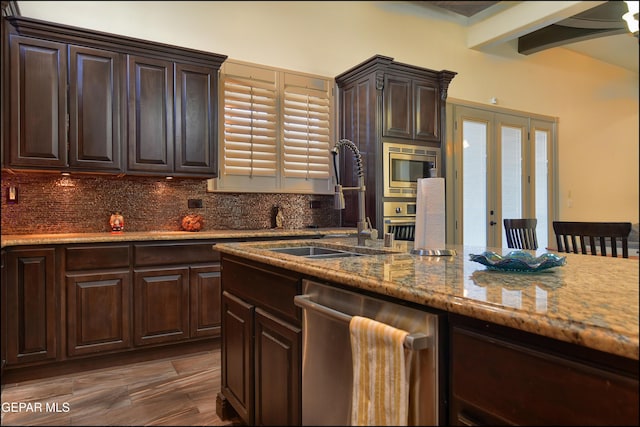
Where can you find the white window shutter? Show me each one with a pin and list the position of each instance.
(306, 127)
(250, 123)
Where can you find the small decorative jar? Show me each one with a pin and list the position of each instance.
(117, 222)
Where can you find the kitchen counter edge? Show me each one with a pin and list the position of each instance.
(70, 238)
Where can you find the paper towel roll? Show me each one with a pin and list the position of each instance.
(430, 214)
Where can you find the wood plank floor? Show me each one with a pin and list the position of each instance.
(178, 391)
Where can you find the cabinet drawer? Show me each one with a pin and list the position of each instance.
(269, 288)
(97, 257)
(174, 253)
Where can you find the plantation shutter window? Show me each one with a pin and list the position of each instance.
(250, 124)
(306, 140)
(277, 131)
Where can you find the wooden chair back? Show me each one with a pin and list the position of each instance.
(577, 236)
(521, 233)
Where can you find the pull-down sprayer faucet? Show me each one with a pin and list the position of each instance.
(364, 231)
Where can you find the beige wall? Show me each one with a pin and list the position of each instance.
(596, 103)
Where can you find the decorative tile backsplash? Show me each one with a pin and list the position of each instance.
(51, 203)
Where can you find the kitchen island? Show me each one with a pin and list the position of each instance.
(563, 324)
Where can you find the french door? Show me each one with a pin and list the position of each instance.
(502, 169)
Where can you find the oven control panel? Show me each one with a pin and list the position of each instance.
(397, 209)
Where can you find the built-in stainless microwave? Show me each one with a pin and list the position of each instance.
(404, 164)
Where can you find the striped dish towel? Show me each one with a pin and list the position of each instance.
(380, 385)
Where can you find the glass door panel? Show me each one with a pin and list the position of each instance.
(542, 206)
(503, 175)
(542, 179)
(474, 172)
(512, 140)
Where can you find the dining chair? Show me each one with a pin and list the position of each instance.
(577, 236)
(521, 233)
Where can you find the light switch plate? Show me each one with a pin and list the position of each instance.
(12, 195)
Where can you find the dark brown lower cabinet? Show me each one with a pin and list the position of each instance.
(161, 305)
(177, 291)
(98, 298)
(33, 326)
(277, 349)
(205, 292)
(98, 312)
(261, 343)
(500, 376)
(3, 319)
(236, 357)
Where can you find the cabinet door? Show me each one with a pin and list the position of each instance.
(205, 293)
(94, 109)
(277, 371)
(150, 115)
(161, 305)
(38, 91)
(237, 355)
(196, 116)
(360, 122)
(427, 111)
(97, 312)
(32, 308)
(398, 107)
(3, 319)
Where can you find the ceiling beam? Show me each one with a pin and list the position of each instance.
(521, 19)
(600, 21)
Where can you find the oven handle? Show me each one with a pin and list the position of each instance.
(416, 341)
(400, 221)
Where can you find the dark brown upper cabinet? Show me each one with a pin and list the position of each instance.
(173, 135)
(195, 119)
(65, 111)
(411, 109)
(86, 101)
(95, 92)
(150, 115)
(38, 93)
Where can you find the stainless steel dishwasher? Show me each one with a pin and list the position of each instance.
(327, 367)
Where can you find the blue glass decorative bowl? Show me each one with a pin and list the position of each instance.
(518, 261)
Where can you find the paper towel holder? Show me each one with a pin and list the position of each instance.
(433, 252)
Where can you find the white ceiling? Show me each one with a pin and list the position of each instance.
(621, 50)
(500, 24)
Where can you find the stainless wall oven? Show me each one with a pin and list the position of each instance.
(400, 219)
(403, 164)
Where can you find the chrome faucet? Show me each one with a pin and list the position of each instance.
(364, 229)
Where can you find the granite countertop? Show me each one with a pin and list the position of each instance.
(591, 301)
(67, 238)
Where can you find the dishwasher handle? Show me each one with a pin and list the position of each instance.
(415, 341)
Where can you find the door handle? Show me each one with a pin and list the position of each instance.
(492, 223)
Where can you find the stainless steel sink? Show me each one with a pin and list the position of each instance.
(315, 252)
(318, 251)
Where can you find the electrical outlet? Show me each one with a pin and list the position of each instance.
(194, 203)
(12, 195)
